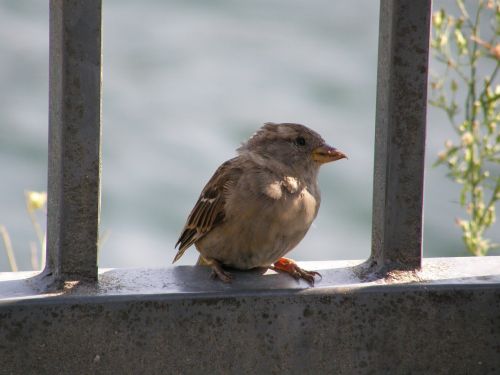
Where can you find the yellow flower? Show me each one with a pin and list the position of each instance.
(462, 223)
(437, 18)
(35, 200)
(467, 139)
(461, 42)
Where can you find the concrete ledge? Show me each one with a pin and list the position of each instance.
(445, 319)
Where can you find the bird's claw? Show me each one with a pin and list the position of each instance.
(292, 268)
(219, 273)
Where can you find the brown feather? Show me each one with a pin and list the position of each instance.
(208, 211)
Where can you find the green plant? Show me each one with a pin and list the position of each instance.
(35, 201)
(467, 44)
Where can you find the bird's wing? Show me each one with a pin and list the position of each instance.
(208, 211)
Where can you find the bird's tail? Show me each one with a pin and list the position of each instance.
(179, 254)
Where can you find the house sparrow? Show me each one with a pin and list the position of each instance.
(259, 205)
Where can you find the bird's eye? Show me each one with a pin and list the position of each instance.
(300, 141)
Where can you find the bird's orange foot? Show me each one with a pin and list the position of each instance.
(289, 266)
(219, 273)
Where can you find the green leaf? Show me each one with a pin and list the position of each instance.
(463, 196)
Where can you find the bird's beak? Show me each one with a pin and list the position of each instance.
(325, 154)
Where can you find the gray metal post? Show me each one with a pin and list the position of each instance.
(400, 134)
(74, 139)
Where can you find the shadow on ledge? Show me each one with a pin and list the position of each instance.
(342, 276)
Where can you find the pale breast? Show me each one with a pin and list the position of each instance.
(259, 230)
(302, 210)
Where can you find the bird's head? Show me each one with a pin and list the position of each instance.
(294, 146)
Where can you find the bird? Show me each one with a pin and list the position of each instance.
(260, 204)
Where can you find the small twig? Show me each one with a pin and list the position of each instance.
(34, 256)
(43, 253)
(102, 240)
(8, 248)
(461, 6)
(38, 229)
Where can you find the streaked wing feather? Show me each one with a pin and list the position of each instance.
(208, 211)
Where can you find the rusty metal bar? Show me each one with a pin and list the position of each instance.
(400, 134)
(74, 139)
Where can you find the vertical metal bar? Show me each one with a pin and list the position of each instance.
(74, 139)
(400, 133)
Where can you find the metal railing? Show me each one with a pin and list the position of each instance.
(75, 128)
(171, 320)
(398, 181)
(74, 167)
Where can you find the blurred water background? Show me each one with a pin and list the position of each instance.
(184, 83)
